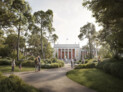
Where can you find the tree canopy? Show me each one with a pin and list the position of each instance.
(109, 14)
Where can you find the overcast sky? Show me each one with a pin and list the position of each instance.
(69, 16)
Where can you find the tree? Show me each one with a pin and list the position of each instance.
(22, 16)
(11, 41)
(7, 13)
(87, 31)
(108, 13)
(55, 37)
(44, 22)
(35, 46)
(2, 39)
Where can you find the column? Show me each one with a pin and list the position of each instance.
(75, 53)
(64, 53)
(71, 53)
(60, 53)
(67, 53)
(57, 53)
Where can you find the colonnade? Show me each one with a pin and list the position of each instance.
(66, 53)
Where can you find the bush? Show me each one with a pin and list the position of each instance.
(88, 65)
(54, 60)
(58, 64)
(5, 62)
(31, 58)
(112, 66)
(78, 62)
(30, 63)
(15, 84)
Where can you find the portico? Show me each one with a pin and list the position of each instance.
(67, 51)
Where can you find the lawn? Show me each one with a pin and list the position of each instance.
(5, 69)
(96, 79)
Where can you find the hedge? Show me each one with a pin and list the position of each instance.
(48, 63)
(5, 62)
(88, 65)
(112, 66)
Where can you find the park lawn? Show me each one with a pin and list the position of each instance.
(96, 79)
(6, 69)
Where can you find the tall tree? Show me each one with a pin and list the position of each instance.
(44, 21)
(22, 13)
(109, 14)
(7, 13)
(87, 31)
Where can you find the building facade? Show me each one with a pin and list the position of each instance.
(70, 51)
(67, 51)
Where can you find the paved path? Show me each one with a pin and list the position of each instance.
(53, 80)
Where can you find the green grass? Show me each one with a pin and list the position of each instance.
(5, 69)
(96, 79)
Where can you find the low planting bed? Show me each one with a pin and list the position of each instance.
(47, 63)
(15, 84)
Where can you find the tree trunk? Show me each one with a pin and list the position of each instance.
(18, 40)
(90, 48)
(42, 41)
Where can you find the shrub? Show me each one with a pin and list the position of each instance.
(58, 64)
(31, 58)
(112, 66)
(47, 61)
(28, 63)
(5, 62)
(88, 65)
(15, 84)
(54, 60)
(78, 62)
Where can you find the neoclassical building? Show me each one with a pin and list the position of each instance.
(69, 51)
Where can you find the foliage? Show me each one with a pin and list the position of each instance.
(88, 65)
(105, 52)
(5, 62)
(13, 55)
(112, 66)
(31, 58)
(35, 49)
(88, 31)
(108, 13)
(96, 79)
(11, 41)
(15, 84)
(5, 51)
(55, 37)
(47, 63)
(43, 22)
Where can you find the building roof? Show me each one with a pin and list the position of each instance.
(66, 46)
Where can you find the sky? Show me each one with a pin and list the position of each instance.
(69, 16)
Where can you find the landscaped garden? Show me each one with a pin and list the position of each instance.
(96, 79)
(29, 65)
(105, 76)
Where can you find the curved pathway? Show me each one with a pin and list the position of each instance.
(53, 80)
